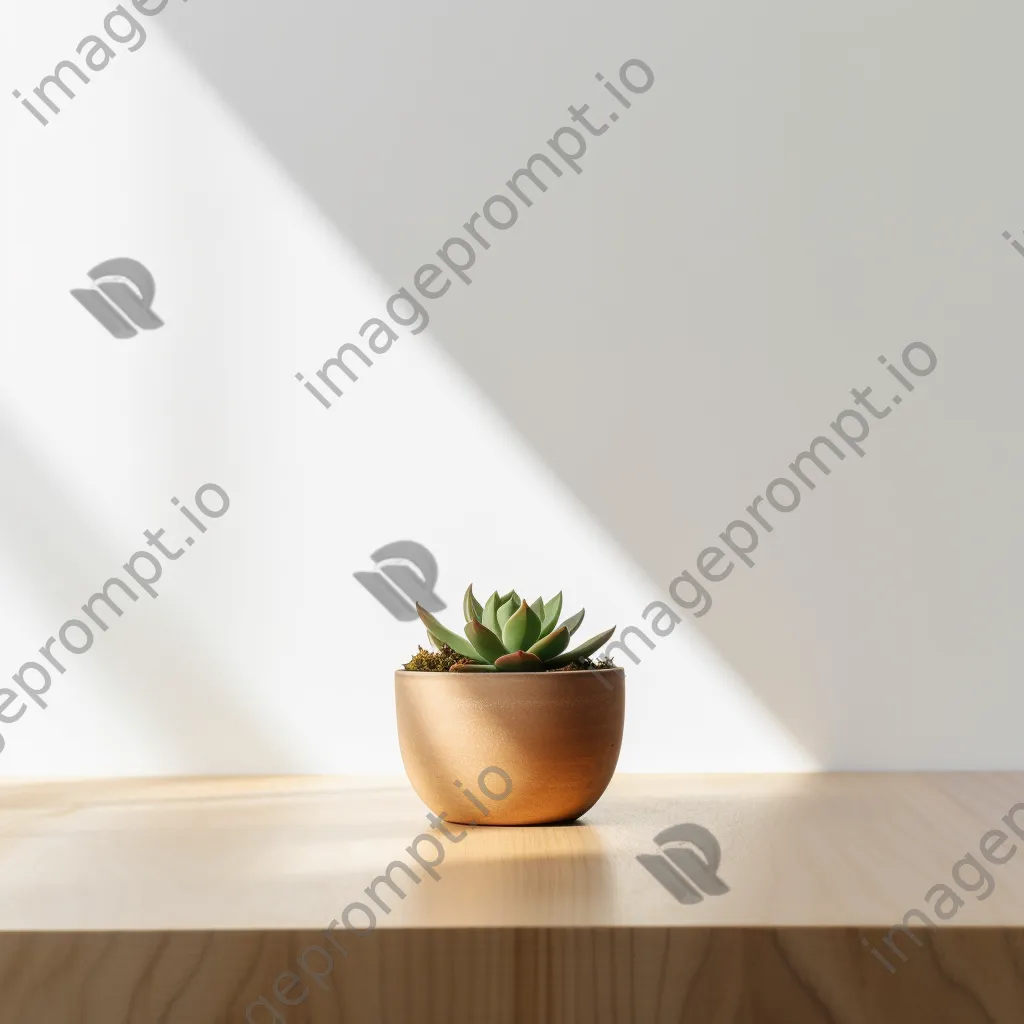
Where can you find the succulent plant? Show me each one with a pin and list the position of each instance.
(505, 634)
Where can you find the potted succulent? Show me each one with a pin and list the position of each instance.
(509, 700)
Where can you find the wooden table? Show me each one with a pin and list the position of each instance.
(201, 900)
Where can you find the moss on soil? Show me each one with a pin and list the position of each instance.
(440, 660)
(444, 659)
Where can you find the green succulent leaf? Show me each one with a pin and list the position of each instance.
(471, 607)
(521, 630)
(508, 634)
(552, 609)
(489, 646)
(583, 651)
(519, 661)
(573, 622)
(533, 627)
(439, 632)
(489, 617)
(505, 611)
(550, 646)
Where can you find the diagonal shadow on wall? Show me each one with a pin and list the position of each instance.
(661, 328)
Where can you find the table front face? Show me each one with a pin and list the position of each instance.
(295, 853)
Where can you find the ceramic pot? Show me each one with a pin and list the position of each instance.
(510, 748)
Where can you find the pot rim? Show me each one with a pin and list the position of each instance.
(556, 673)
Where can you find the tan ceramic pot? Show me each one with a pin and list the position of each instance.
(510, 748)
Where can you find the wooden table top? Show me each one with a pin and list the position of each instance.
(285, 853)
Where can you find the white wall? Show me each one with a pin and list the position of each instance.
(805, 187)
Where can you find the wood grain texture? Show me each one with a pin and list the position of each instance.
(179, 901)
(291, 853)
(515, 976)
